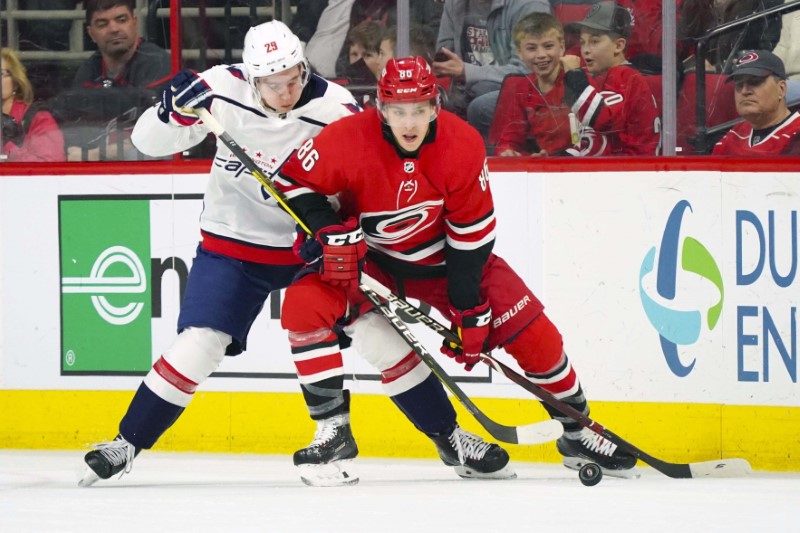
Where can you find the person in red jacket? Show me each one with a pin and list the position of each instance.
(29, 134)
(532, 117)
(769, 127)
(418, 215)
(615, 108)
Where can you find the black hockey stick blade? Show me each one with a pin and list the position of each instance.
(536, 433)
(717, 468)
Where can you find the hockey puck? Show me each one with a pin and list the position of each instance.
(590, 474)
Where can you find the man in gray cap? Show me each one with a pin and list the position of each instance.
(769, 127)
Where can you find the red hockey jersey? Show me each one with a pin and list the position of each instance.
(524, 113)
(783, 140)
(621, 112)
(408, 208)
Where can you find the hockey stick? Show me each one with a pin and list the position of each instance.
(535, 433)
(718, 468)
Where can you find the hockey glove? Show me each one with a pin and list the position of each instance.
(472, 327)
(187, 91)
(343, 253)
(308, 249)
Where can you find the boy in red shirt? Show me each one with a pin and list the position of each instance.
(613, 104)
(532, 117)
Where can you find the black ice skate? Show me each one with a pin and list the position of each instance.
(328, 460)
(472, 457)
(586, 446)
(108, 459)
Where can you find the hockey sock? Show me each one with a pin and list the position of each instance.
(426, 405)
(326, 398)
(562, 382)
(148, 417)
(572, 428)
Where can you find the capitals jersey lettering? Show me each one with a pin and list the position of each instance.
(409, 209)
(239, 218)
(619, 114)
(783, 140)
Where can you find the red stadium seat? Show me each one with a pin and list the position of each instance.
(720, 108)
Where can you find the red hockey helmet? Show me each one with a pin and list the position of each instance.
(407, 80)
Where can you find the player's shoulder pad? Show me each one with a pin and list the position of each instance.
(222, 78)
(457, 135)
(326, 100)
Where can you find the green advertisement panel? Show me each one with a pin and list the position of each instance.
(105, 290)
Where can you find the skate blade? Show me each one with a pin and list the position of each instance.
(470, 473)
(575, 463)
(89, 478)
(336, 474)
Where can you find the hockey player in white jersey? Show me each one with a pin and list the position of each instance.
(270, 103)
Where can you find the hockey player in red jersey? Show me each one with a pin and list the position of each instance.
(418, 216)
(770, 128)
(614, 105)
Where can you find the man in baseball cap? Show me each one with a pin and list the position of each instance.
(769, 127)
(758, 63)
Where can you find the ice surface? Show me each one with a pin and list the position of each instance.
(180, 492)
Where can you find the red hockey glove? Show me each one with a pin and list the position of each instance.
(472, 327)
(343, 252)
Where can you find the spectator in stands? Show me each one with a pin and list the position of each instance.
(614, 106)
(422, 43)
(325, 51)
(323, 47)
(363, 44)
(30, 134)
(643, 47)
(476, 48)
(788, 47)
(761, 34)
(532, 117)
(123, 77)
(306, 18)
(770, 128)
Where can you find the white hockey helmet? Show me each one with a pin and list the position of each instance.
(270, 48)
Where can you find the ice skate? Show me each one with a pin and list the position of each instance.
(108, 459)
(328, 460)
(472, 457)
(586, 446)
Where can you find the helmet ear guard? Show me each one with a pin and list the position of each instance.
(407, 80)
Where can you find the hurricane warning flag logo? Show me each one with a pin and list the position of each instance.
(684, 266)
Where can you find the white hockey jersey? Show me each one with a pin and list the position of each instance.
(239, 218)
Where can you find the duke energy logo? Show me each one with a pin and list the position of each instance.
(678, 326)
(105, 297)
